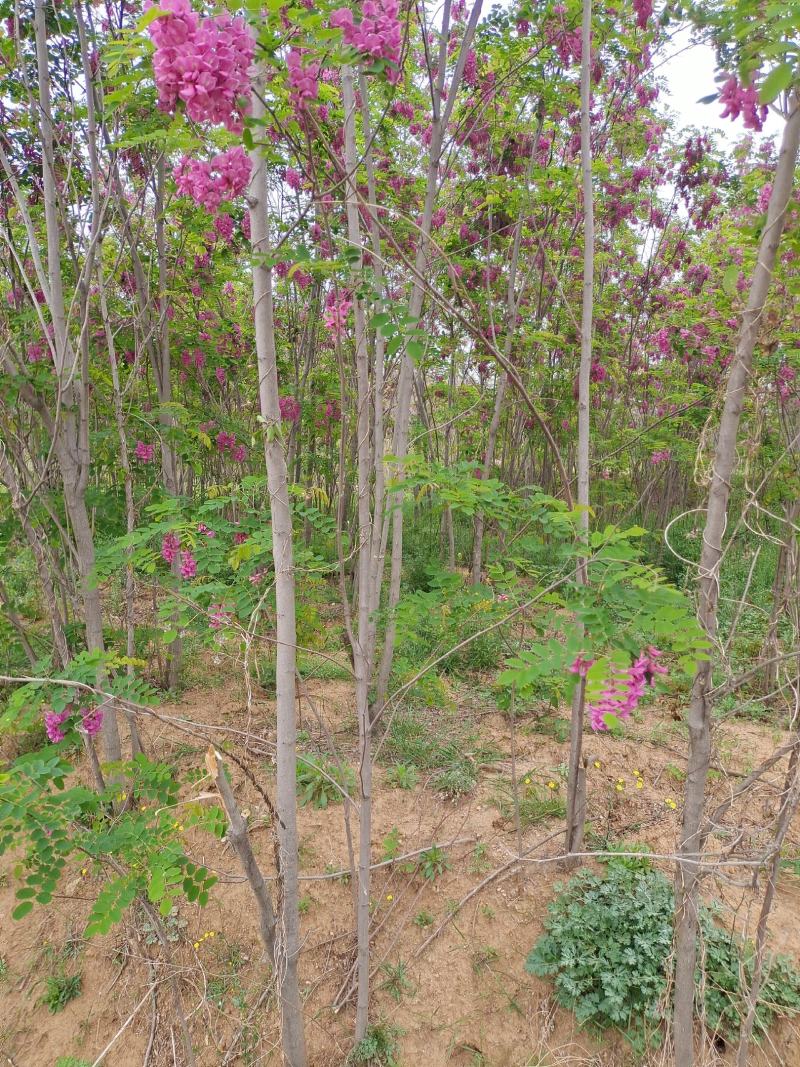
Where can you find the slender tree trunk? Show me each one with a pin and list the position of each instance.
(785, 816)
(780, 582)
(8, 477)
(294, 1049)
(576, 783)
(18, 625)
(71, 436)
(440, 119)
(700, 708)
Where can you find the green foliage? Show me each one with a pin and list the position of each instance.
(60, 989)
(537, 802)
(397, 983)
(433, 862)
(423, 919)
(607, 944)
(402, 776)
(391, 845)
(48, 823)
(378, 1047)
(71, 1061)
(457, 780)
(321, 781)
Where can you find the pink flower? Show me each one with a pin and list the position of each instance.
(210, 182)
(53, 721)
(170, 546)
(225, 440)
(188, 567)
(239, 454)
(293, 179)
(303, 80)
(378, 34)
(221, 376)
(336, 312)
(144, 452)
(643, 9)
(35, 352)
(223, 225)
(218, 616)
(92, 720)
(205, 62)
(289, 408)
(739, 100)
(239, 538)
(203, 529)
(623, 692)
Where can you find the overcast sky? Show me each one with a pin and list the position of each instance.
(689, 71)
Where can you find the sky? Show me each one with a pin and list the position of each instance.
(689, 71)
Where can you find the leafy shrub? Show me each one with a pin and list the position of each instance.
(60, 989)
(433, 863)
(607, 943)
(377, 1048)
(318, 778)
(402, 776)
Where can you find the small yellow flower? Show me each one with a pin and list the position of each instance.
(551, 785)
(598, 764)
(389, 896)
(638, 773)
(639, 783)
(197, 944)
(527, 781)
(620, 785)
(670, 803)
(84, 870)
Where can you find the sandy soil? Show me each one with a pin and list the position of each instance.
(469, 1000)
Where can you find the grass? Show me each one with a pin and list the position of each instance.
(537, 803)
(60, 990)
(397, 983)
(378, 1047)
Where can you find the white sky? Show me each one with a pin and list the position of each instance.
(690, 74)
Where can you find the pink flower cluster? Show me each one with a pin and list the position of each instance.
(188, 567)
(92, 720)
(303, 79)
(378, 35)
(210, 182)
(661, 456)
(739, 100)
(53, 721)
(227, 442)
(170, 546)
(144, 452)
(205, 62)
(624, 691)
(289, 408)
(218, 616)
(337, 308)
(643, 9)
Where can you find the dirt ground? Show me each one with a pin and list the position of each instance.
(465, 998)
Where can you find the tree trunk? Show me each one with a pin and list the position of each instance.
(700, 708)
(293, 1037)
(576, 783)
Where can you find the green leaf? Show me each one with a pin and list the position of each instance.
(776, 82)
(156, 886)
(729, 279)
(22, 909)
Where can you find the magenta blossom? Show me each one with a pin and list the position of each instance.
(204, 62)
(378, 34)
(92, 720)
(170, 546)
(188, 567)
(144, 452)
(624, 690)
(210, 182)
(53, 721)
